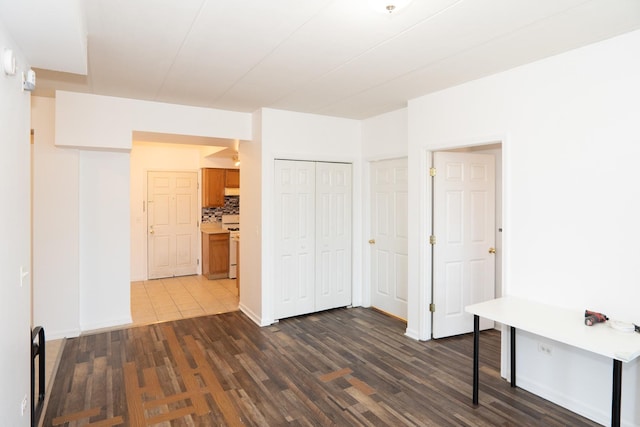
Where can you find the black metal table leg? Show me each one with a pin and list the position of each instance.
(476, 354)
(513, 356)
(617, 393)
(37, 350)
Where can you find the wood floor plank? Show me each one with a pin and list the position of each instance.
(344, 367)
(133, 392)
(76, 416)
(335, 374)
(216, 390)
(110, 422)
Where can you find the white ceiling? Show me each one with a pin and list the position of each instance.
(332, 57)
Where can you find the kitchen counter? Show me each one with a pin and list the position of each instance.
(212, 228)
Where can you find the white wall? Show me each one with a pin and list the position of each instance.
(104, 239)
(569, 128)
(385, 136)
(103, 122)
(86, 282)
(56, 299)
(298, 136)
(15, 300)
(252, 246)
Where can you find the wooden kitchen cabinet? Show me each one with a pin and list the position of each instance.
(213, 182)
(232, 178)
(215, 255)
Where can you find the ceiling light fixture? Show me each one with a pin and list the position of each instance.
(389, 6)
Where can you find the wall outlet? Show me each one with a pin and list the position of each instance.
(545, 348)
(23, 405)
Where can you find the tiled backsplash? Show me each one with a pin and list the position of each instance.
(231, 207)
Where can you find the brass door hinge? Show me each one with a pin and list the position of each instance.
(432, 171)
(432, 307)
(432, 240)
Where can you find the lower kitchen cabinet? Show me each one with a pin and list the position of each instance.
(215, 255)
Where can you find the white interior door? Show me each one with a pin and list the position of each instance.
(172, 221)
(389, 280)
(464, 227)
(294, 237)
(333, 235)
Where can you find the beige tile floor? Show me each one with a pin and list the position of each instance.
(181, 297)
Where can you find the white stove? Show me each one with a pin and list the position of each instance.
(232, 223)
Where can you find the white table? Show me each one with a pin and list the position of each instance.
(558, 324)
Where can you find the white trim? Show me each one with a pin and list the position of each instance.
(64, 333)
(253, 316)
(124, 321)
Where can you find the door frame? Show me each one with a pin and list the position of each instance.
(426, 210)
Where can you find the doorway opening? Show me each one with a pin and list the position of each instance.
(181, 293)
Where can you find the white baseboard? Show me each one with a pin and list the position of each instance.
(413, 334)
(253, 316)
(57, 335)
(106, 325)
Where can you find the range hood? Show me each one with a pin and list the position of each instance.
(231, 191)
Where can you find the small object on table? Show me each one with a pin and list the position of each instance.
(593, 317)
(621, 326)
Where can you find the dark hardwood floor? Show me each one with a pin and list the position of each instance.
(344, 367)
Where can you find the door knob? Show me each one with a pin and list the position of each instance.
(372, 241)
(151, 230)
(492, 250)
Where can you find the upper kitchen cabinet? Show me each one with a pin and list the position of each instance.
(213, 183)
(232, 178)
